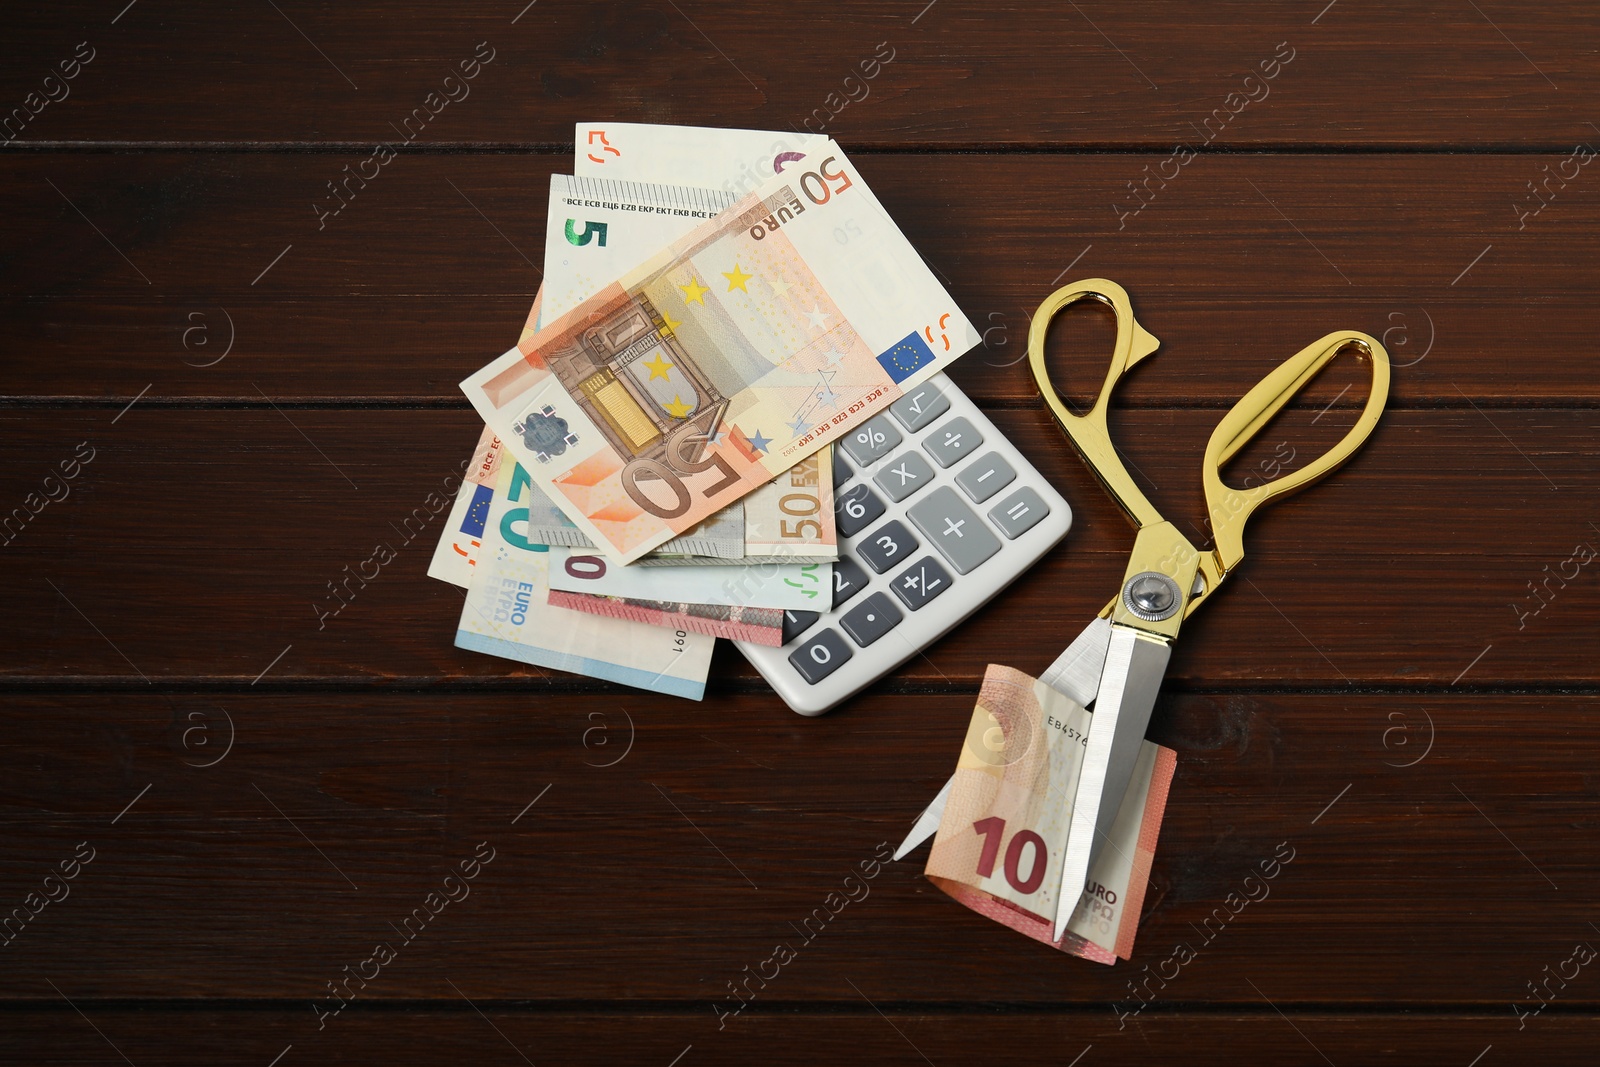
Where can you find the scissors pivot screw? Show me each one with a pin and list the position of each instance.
(1152, 596)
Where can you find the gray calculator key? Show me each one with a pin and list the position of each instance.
(842, 471)
(796, 623)
(872, 441)
(848, 580)
(855, 509)
(921, 582)
(886, 546)
(820, 656)
(875, 617)
(920, 406)
(960, 536)
(985, 476)
(1016, 514)
(904, 475)
(953, 441)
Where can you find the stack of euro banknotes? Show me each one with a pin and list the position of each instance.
(655, 469)
(654, 472)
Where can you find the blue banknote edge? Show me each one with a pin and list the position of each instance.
(593, 668)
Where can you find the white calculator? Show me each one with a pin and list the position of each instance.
(937, 512)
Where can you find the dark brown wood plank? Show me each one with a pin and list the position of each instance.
(507, 1037)
(199, 544)
(960, 72)
(716, 830)
(1238, 263)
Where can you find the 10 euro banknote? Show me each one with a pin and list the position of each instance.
(727, 357)
(1004, 831)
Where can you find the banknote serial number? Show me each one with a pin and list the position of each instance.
(1072, 734)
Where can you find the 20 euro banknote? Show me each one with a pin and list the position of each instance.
(507, 614)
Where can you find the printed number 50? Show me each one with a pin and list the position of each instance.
(993, 829)
(816, 186)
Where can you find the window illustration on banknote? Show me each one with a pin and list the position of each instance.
(636, 382)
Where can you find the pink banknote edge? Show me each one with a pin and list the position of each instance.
(610, 606)
(1155, 806)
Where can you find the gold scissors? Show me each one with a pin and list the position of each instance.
(1117, 663)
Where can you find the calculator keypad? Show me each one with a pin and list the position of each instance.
(934, 469)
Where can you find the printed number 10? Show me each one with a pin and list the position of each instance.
(993, 829)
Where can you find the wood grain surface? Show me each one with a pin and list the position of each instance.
(1399, 684)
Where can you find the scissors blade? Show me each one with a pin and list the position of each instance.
(1134, 666)
(927, 823)
(1076, 672)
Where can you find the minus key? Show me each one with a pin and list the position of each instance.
(985, 476)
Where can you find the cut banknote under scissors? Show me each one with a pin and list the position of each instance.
(1116, 664)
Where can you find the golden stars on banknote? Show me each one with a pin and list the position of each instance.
(659, 367)
(736, 279)
(694, 292)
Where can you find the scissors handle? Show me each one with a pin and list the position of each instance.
(1231, 508)
(1088, 432)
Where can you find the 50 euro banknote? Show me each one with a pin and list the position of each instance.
(1001, 840)
(789, 519)
(725, 358)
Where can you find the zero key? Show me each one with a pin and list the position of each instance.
(820, 656)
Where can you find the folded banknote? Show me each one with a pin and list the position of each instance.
(731, 354)
(1004, 831)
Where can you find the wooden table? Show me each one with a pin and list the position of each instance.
(221, 394)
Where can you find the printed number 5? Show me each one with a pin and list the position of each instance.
(800, 527)
(591, 230)
(993, 829)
